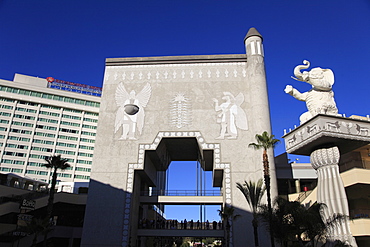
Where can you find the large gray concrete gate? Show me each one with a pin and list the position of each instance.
(158, 109)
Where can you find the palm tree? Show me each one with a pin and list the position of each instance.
(37, 226)
(265, 142)
(227, 214)
(54, 162)
(253, 193)
(315, 227)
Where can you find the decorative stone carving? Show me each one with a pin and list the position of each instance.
(180, 111)
(231, 116)
(324, 157)
(130, 120)
(175, 72)
(330, 192)
(320, 99)
(325, 128)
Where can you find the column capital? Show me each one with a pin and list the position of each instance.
(324, 157)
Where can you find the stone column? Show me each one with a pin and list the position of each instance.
(297, 186)
(331, 192)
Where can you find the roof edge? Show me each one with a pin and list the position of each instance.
(176, 59)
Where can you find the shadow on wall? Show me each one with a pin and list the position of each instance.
(104, 216)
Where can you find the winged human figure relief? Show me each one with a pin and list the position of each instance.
(231, 117)
(130, 114)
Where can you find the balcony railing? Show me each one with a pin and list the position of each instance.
(182, 193)
(180, 225)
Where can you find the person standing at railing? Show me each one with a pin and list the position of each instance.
(220, 226)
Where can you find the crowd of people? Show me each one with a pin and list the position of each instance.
(183, 224)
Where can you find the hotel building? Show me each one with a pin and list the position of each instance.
(43, 117)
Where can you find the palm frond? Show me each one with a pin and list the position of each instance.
(253, 193)
(56, 161)
(264, 141)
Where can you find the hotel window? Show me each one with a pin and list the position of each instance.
(11, 145)
(48, 150)
(71, 117)
(83, 169)
(5, 114)
(92, 114)
(15, 170)
(87, 162)
(69, 130)
(25, 110)
(22, 124)
(71, 138)
(87, 140)
(65, 152)
(18, 138)
(70, 124)
(82, 177)
(39, 126)
(85, 154)
(90, 120)
(86, 147)
(44, 134)
(88, 126)
(88, 133)
(27, 132)
(63, 144)
(24, 117)
(6, 106)
(50, 107)
(54, 114)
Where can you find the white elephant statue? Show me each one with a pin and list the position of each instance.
(320, 99)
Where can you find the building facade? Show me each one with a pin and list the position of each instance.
(42, 117)
(156, 110)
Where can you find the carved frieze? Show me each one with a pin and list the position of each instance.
(175, 72)
(323, 130)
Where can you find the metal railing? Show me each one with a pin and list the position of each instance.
(182, 193)
(303, 195)
(180, 225)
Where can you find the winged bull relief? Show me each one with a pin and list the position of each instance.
(131, 111)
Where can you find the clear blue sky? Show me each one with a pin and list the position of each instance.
(69, 40)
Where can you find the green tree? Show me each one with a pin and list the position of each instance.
(291, 221)
(281, 220)
(253, 193)
(265, 142)
(37, 226)
(54, 162)
(228, 215)
(315, 227)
